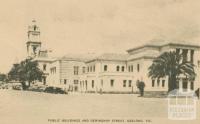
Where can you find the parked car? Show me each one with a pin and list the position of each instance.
(56, 90)
(37, 88)
(17, 87)
(49, 90)
(60, 91)
(41, 88)
(5, 86)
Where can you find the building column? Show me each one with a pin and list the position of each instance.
(181, 84)
(189, 55)
(181, 52)
(192, 56)
(188, 85)
(83, 86)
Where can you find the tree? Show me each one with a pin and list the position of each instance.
(141, 86)
(26, 71)
(171, 64)
(3, 77)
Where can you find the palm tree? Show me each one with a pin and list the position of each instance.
(171, 64)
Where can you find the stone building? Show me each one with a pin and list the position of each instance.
(110, 72)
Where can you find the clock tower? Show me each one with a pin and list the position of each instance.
(33, 44)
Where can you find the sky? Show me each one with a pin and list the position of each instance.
(94, 26)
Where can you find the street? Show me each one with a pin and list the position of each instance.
(33, 107)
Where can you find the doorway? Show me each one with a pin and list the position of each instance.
(185, 84)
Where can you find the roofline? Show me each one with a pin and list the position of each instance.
(183, 45)
(168, 44)
(105, 60)
(142, 57)
(60, 59)
(140, 47)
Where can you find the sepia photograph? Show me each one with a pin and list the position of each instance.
(100, 61)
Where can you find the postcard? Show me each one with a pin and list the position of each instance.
(100, 62)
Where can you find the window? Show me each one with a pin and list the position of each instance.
(163, 83)
(92, 83)
(105, 68)
(44, 80)
(53, 70)
(80, 83)
(111, 83)
(65, 81)
(153, 83)
(192, 85)
(34, 27)
(86, 84)
(158, 82)
(124, 83)
(131, 68)
(75, 70)
(138, 67)
(44, 67)
(130, 83)
(83, 69)
(94, 68)
(117, 68)
(75, 81)
(122, 68)
(88, 69)
(185, 52)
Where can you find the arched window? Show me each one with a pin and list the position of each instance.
(122, 68)
(117, 68)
